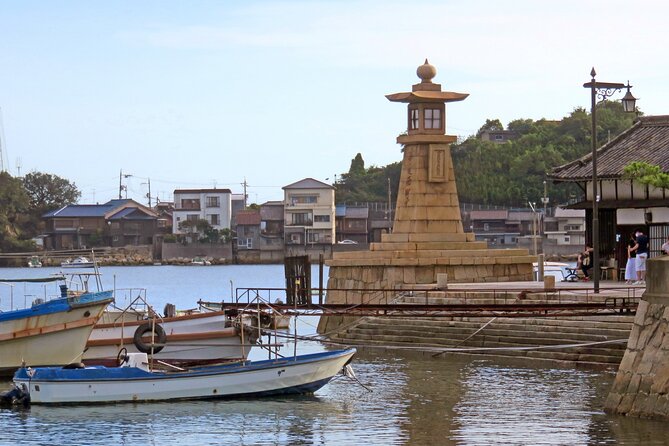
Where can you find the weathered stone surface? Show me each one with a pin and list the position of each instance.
(641, 387)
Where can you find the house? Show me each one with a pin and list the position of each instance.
(192, 205)
(566, 230)
(164, 209)
(352, 223)
(503, 228)
(498, 136)
(115, 223)
(624, 206)
(248, 229)
(309, 213)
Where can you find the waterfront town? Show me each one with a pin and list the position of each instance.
(507, 287)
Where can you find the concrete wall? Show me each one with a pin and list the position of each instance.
(641, 387)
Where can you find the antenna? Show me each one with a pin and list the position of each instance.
(19, 164)
(3, 151)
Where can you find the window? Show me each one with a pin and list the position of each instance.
(572, 227)
(302, 218)
(567, 239)
(313, 237)
(214, 219)
(213, 202)
(432, 118)
(190, 203)
(413, 119)
(499, 137)
(295, 238)
(116, 225)
(249, 243)
(303, 199)
(321, 218)
(192, 217)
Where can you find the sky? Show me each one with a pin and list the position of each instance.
(203, 94)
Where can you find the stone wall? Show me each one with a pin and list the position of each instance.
(217, 253)
(641, 387)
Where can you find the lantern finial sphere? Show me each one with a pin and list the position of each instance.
(426, 72)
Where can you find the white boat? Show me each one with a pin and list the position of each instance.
(197, 338)
(200, 261)
(51, 332)
(79, 262)
(34, 262)
(135, 382)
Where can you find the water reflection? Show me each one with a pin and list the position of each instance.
(414, 401)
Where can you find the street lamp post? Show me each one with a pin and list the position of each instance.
(601, 91)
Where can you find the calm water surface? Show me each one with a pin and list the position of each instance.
(455, 401)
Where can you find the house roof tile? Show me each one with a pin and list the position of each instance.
(248, 218)
(647, 140)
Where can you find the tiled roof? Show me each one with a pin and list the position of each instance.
(248, 218)
(647, 140)
(308, 183)
(489, 215)
(202, 191)
(569, 213)
(131, 214)
(85, 210)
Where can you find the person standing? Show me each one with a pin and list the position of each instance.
(630, 266)
(641, 257)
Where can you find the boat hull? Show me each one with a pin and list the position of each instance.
(192, 339)
(303, 374)
(53, 333)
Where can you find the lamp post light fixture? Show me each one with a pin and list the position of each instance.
(599, 91)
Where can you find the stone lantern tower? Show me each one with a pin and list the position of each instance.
(428, 238)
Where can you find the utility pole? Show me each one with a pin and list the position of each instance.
(120, 184)
(245, 184)
(388, 215)
(149, 194)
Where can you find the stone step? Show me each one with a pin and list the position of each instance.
(493, 336)
(608, 329)
(493, 330)
(611, 324)
(555, 354)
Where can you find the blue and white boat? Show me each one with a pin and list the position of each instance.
(49, 332)
(133, 381)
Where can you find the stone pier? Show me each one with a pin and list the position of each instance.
(428, 240)
(641, 387)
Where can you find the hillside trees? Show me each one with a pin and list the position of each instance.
(508, 174)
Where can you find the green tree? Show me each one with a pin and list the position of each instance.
(357, 166)
(46, 192)
(14, 205)
(646, 173)
(491, 125)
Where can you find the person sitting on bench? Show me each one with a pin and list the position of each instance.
(585, 262)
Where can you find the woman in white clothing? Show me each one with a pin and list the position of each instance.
(630, 267)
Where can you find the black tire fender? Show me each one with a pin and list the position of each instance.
(159, 338)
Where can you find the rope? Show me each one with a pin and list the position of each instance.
(470, 336)
(475, 349)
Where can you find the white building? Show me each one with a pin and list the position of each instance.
(570, 228)
(309, 213)
(213, 205)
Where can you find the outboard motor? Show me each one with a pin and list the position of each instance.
(138, 360)
(14, 397)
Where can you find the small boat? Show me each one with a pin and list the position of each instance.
(49, 332)
(134, 381)
(34, 262)
(200, 261)
(79, 262)
(197, 338)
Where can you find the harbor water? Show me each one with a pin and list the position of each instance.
(453, 401)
